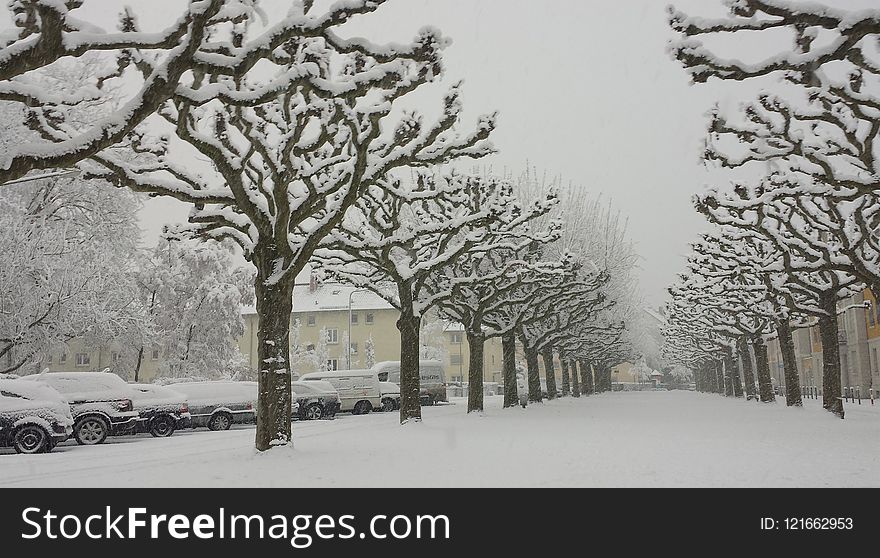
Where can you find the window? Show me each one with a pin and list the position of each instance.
(310, 347)
(63, 358)
(456, 338)
(49, 358)
(83, 359)
(354, 348)
(333, 364)
(454, 359)
(154, 354)
(872, 321)
(310, 320)
(114, 357)
(368, 319)
(332, 336)
(354, 318)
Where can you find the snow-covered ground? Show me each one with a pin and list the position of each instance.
(620, 439)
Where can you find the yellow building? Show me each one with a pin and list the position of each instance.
(326, 308)
(78, 357)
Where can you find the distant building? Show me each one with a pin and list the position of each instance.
(325, 306)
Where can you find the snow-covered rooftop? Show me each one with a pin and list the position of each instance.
(330, 297)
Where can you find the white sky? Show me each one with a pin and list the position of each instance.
(585, 90)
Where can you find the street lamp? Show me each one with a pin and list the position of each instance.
(59, 174)
(460, 358)
(348, 348)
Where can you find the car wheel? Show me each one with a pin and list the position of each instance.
(220, 421)
(91, 431)
(30, 438)
(388, 405)
(314, 411)
(162, 426)
(362, 408)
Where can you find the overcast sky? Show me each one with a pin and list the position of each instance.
(585, 90)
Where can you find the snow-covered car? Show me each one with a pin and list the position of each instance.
(432, 378)
(219, 405)
(100, 402)
(34, 418)
(162, 410)
(358, 389)
(316, 400)
(390, 396)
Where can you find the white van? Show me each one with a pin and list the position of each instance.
(432, 378)
(359, 390)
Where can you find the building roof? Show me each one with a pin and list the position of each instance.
(329, 297)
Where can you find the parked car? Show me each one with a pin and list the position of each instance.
(162, 410)
(432, 378)
(359, 390)
(100, 402)
(34, 418)
(390, 396)
(316, 399)
(219, 405)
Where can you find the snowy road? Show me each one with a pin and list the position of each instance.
(620, 439)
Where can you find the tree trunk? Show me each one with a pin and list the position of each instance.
(734, 374)
(508, 366)
(575, 381)
(137, 367)
(789, 364)
(587, 387)
(831, 392)
(535, 394)
(603, 378)
(476, 346)
(410, 384)
(719, 377)
(765, 383)
(274, 307)
(566, 379)
(748, 371)
(549, 372)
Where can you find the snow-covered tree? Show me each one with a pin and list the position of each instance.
(67, 256)
(321, 352)
(369, 352)
(817, 36)
(402, 235)
(194, 293)
(286, 150)
(487, 288)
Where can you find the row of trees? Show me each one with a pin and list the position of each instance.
(286, 139)
(796, 231)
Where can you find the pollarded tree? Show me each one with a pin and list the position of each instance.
(481, 286)
(818, 37)
(403, 234)
(46, 33)
(735, 300)
(576, 304)
(288, 151)
(824, 165)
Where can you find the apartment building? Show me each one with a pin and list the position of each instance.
(858, 340)
(329, 317)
